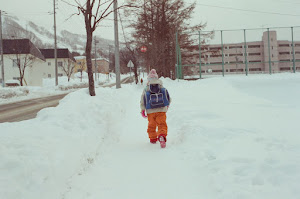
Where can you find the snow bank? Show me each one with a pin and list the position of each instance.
(229, 137)
(14, 94)
(6, 93)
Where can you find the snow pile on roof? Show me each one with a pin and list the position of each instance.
(79, 57)
(12, 81)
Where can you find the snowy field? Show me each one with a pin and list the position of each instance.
(229, 138)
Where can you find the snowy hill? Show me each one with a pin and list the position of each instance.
(14, 27)
(229, 137)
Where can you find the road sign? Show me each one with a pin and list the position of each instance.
(143, 49)
(130, 64)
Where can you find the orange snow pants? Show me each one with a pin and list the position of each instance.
(157, 120)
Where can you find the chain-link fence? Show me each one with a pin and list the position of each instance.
(245, 51)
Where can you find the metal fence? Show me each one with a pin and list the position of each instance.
(244, 51)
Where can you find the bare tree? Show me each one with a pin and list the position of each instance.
(22, 61)
(94, 12)
(68, 68)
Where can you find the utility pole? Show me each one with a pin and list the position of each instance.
(55, 46)
(95, 60)
(1, 43)
(117, 56)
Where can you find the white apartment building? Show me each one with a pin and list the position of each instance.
(20, 53)
(256, 56)
(39, 63)
(65, 63)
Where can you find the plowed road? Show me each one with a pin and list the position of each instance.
(27, 109)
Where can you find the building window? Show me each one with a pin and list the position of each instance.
(60, 63)
(235, 54)
(49, 63)
(297, 45)
(232, 47)
(254, 69)
(284, 60)
(215, 48)
(216, 56)
(285, 69)
(253, 46)
(49, 75)
(254, 61)
(236, 62)
(16, 78)
(237, 70)
(284, 45)
(254, 54)
(59, 74)
(15, 63)
(284, 53)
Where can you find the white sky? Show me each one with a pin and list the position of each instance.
(216, 17)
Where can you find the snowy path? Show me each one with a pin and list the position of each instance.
(131, 167)
(226, 139)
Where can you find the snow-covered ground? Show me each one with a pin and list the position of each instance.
(229, 137)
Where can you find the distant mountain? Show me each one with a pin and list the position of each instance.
(43, 38)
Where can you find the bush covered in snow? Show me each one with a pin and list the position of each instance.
(6, 93)
(73, 86)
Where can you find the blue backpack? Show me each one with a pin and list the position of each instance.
(156, 97)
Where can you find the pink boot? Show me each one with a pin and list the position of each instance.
(153, 141)
(162, 141)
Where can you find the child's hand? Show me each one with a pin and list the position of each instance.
(143, 113)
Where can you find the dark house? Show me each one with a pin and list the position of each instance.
(61, 53)
(21, 46)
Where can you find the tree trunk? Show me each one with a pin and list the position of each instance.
(89, 63)
(21, 75)
(88, 49)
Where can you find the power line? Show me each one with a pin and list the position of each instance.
(248, 10)
(122, 29)
(28, 13)
(290, 2)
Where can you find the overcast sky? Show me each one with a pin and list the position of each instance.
(219, 14)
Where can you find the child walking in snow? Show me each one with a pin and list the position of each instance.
(155, 102)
